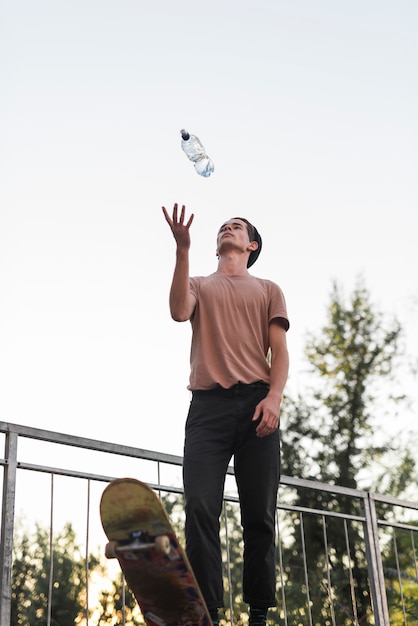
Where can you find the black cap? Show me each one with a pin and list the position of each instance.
(254, 236)
(254, 254)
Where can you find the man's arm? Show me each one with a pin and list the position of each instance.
(269, 408)
(181, 301)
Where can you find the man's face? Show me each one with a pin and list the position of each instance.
(232, 234)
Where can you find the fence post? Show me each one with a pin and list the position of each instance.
(374, 561)
(7, 524)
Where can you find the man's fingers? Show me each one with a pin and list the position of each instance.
(175, 220)
(166, 215)
(267, 427)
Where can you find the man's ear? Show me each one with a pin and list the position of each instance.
(253, 245)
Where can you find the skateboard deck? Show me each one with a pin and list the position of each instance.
(155, 566)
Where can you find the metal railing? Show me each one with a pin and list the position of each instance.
(339, 549)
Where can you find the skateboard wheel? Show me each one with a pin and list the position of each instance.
(162, 544)
(110, 550)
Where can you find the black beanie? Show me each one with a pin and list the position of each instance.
(254, 254)
(255, 236)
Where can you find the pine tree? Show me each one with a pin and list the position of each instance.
(329, 435)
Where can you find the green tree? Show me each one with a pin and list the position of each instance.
(401, 576)
(356, 352)
(117, 606)
(32, 582)
(330, 435)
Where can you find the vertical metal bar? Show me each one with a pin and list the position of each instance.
(7, 526)
(374, 562)
(414, 553)
(123, 600)
(351, 577)
(159, 478)
(87, 551)
(51, 552)
(398, 569)
(331, 600)
(279, 545)
(228, 564)
(305, 565)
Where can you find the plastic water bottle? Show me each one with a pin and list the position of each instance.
(195, 151)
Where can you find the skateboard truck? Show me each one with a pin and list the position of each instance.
(140, 541)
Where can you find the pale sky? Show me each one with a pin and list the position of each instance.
(309, 112)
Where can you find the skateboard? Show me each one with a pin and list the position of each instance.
(155, 566)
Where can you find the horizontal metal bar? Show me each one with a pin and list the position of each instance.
(302, 509)
(397, 525)
(408, 504)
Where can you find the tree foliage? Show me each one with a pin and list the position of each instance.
(352, 364)
(41, 587)
(331, 434)
(117, 605)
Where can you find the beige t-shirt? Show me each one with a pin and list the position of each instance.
(230, 329)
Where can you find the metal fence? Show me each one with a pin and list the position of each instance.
(344, 556)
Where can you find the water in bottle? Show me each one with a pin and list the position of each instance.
(195, 151)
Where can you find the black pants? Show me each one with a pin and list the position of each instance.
(219, 425)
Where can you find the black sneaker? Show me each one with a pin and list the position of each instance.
(214, 616)
(258, 617)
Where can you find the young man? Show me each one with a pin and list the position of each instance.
(236, 320)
